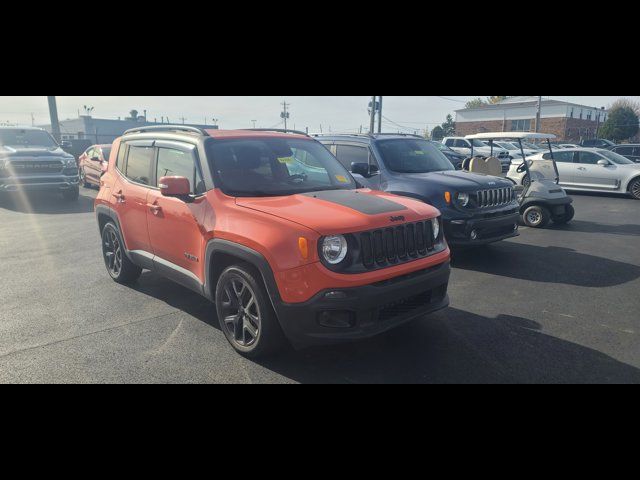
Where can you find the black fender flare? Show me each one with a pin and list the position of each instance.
(244, 254)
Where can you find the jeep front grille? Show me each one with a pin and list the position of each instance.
(495, 197)
(390, 246)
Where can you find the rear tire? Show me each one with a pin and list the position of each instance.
(72, 194)
(120, 268)
(245, 313)
(536, 217)
(634, 188)
(569, 213)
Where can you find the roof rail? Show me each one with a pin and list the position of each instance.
(369, 135)
(167, 128)
(278, 130)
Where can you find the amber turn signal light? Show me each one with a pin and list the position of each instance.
(303, 245)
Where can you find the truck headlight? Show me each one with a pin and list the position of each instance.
(436, 228)
(69, 162)
(334, 249)
(463, 199)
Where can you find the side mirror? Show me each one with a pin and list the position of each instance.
(361, 169)
(174, 186)
(603, 163)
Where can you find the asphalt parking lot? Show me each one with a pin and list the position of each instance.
(555, 305)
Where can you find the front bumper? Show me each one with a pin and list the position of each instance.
(481, 231)
(347, 314)
(39, 183)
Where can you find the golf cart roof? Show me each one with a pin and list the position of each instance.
(511, 135)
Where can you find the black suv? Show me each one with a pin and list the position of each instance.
(30, 159)
(598, 143)
(476, 209)
(630, 151)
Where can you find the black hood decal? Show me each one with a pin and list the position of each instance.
(360, 202)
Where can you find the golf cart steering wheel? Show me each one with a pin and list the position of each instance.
(522, 168)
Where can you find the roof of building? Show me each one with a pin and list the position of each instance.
(524, 101)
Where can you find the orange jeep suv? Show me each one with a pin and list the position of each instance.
(270, 227)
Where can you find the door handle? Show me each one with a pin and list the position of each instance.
(119, 196)
(155, 209)
(581, 168)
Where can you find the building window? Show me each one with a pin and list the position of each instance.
(589, 115)
(581, 111)
(571, 114)
(521, 125)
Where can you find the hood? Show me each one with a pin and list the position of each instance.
(32, 152)
(456, 181)
(342, 211)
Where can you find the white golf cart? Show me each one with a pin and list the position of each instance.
(541, 200)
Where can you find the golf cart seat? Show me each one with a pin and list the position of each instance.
(486, 166)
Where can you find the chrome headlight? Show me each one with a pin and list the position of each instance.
(436, 228)
(334, 249)
(463, 199)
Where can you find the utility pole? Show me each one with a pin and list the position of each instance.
(538, 114)
(285, 115)
(254, 123)
(53, 113)
(372, 124)
(380, 116)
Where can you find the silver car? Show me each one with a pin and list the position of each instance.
(587, 169)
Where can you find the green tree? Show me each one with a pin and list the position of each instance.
(494, 100)
(623, 122)
(438, 133)
(475, 103)
(449, 126)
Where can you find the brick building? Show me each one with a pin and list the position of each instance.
(570, 122)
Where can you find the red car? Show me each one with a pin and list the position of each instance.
(92, 164)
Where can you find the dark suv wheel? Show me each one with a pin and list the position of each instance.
(245, 313)
(71, 195)
(120, 268)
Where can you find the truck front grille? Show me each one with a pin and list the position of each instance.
(21, 168)
(495, 197)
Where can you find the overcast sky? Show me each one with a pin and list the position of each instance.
(332, 112)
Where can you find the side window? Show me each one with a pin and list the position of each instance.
(624, 150)
(348, 154)
(122, 152)
(139, 162)
(176, 163)
(449, 143)
(89, 153)
(560, 157)
(589, 158)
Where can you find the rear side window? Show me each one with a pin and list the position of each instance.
(348, 154)
(560, 157)
(139, 163)
(122, 153)
(624, 150)
(176, 163)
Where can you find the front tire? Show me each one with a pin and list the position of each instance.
(245, 313)
(634, 188)
(120, 268)
(536, 217)
(72, 194)
(569, 213)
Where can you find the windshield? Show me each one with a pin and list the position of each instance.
(532, 146)
(275, 167)
(26, 138)
(478, 143)
(413, 156)
(615, 157)
(442, 147)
